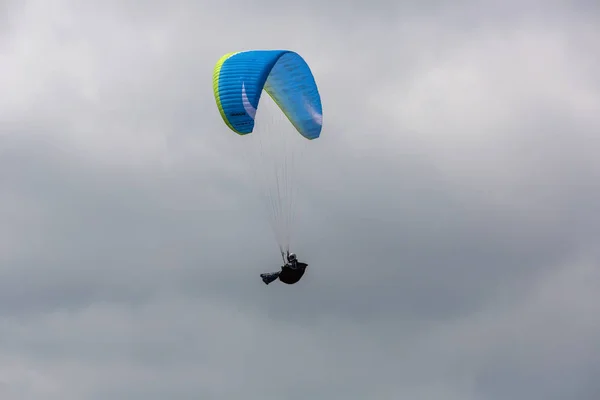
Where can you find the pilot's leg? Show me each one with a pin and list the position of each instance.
(270, 277)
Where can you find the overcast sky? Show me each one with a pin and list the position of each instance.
(449, 213)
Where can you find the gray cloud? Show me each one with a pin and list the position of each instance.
(449, 212)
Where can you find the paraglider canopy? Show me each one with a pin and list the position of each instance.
(240, 78)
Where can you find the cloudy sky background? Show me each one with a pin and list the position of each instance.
(450, 212)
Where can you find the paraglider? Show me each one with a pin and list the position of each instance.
(238, 82)
(290, 273)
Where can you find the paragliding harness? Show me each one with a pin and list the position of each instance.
(290, 273)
